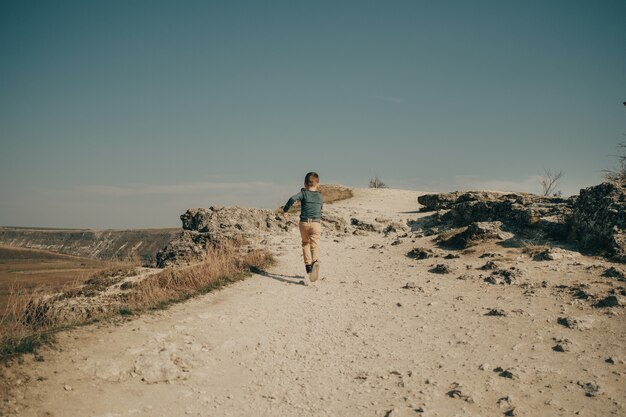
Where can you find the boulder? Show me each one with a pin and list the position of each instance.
(599, 219)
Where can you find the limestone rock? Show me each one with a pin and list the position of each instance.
(203, 228)
(599, 219)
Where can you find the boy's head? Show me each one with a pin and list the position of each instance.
(311, 179)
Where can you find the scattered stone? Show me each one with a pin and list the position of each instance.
(376, 246)
(496, 312)
(410, 285)
(591, 388)
(420, 253)
(562, 345)
(67, 388)
(504, 402)
(504, 276)
(607, 302)
(490, 255)
(441, 269)
(510, 412)
(506, 373)
(579, 293)
(396, 242)
(579, 323)
(613, 272)
(490, 266)
(610, 360)
(483, 366)
(456, 392)
(395, 227)
(364, 226)
(391, 413)
(452, 256)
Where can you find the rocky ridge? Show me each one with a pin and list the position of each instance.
(596, 219)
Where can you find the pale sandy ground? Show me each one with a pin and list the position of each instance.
(353, 344)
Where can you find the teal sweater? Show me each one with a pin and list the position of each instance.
(311, 204)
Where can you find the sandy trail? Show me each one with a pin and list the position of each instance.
(353, 344)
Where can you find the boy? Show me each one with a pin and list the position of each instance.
(311, 204)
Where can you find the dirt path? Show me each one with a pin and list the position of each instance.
(353, 344)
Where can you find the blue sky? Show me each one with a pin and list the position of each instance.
(124, 113)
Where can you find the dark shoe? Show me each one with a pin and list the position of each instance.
(315, 271)
(308, 268)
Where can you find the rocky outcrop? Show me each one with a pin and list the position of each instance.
(599, 219)
(203, 228)
(596, 218)
(517, 210)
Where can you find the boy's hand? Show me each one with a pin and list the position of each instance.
(286, 215)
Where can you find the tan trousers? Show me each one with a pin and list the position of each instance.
(310, 233)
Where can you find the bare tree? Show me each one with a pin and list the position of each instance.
(376, 182)
(618, 174)
(549, 180)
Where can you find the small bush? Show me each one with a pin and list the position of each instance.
(124, 311)
(376, 182)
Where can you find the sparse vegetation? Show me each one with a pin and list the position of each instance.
(549, 181)
(533, 249)
(618, 174)
(25, 324)
(376, 182)
(222, 266)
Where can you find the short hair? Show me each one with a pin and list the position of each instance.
(311, 179)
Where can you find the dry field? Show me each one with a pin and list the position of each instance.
(30, 270)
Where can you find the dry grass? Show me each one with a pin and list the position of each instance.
(25, 324)
(533, 249)
(222, 266)
(447, 234)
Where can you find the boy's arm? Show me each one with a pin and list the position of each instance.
(292, 200)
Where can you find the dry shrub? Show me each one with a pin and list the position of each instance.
(376, 182)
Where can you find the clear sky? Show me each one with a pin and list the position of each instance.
(125, 113)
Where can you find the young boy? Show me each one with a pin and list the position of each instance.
(311, 204)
